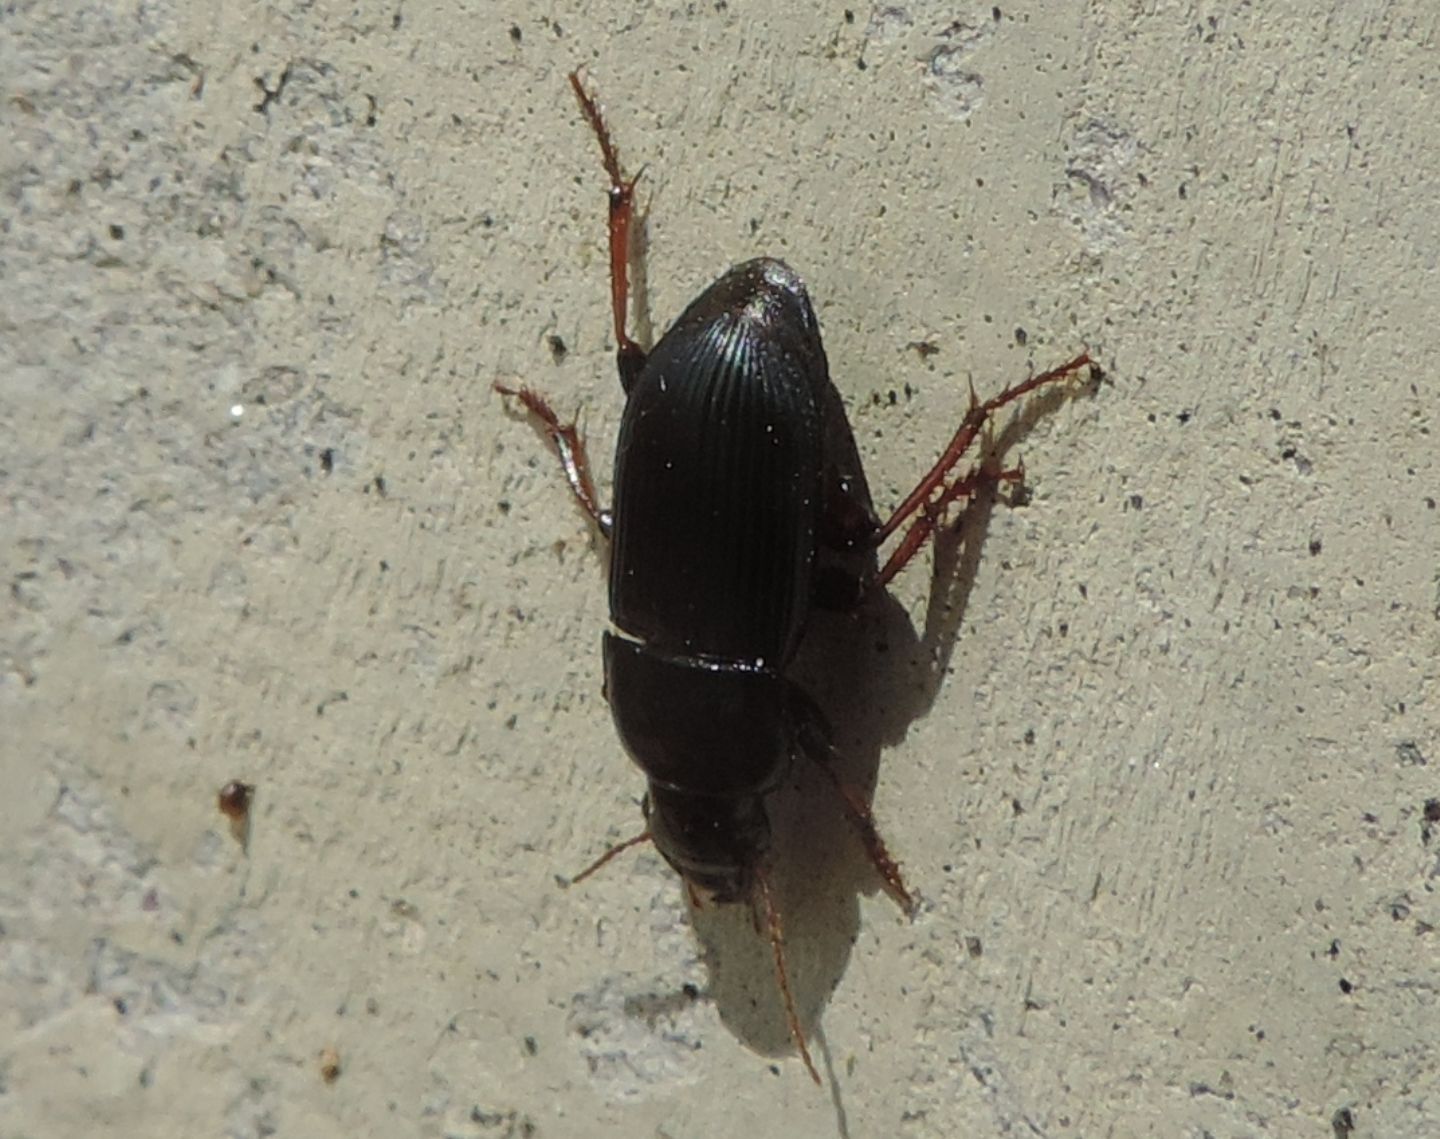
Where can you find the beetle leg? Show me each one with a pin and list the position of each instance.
(932, 513)
(629, 356)
(570, 447)
(782, 976)
(933, 493)
(813, 735)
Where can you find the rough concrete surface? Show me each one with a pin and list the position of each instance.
(1155, 749)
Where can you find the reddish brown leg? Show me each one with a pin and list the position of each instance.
(814, 739)
(571, 449)
(864, 822)
(933, 494)
(618, 848)
(932, 514)
(629, 356)
(782, 976)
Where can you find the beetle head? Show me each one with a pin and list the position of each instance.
(713, 842)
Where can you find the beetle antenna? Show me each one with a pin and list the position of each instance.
(618, 848)
(777, 946)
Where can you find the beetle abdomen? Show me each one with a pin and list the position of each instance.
(717, 474)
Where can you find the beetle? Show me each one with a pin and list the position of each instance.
(735, 469)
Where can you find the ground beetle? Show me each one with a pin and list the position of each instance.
(734, 469)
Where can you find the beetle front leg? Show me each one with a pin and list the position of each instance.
(936, 492)
(932, 515)
(849, 524)
(812, 733)
(565, 438)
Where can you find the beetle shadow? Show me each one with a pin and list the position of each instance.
(873, 674)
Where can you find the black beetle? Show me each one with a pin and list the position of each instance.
(734, 468)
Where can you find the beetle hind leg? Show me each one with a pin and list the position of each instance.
(629, 356)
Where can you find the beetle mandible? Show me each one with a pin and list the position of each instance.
(729, 480)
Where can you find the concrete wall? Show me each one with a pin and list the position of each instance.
(1155, 749)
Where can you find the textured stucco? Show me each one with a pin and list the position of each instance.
(1159, 771)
